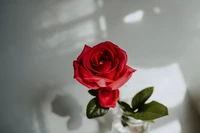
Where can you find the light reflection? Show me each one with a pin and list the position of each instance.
(80, 34)
(170, 87)
(103, 26)
(100, 3)
(157, 10)
(77, 44)
(102, 22)
(66, 11)
(172, 127)
(134, 17)
(83, 23)
(36, 123)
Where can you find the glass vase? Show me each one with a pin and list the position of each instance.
(127, 124)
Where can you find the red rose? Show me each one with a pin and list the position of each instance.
(108, 98)
(103, 65)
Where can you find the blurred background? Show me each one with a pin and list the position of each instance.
(39, 40)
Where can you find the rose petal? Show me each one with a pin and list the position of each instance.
(108, 98)
(122, 56)
(92, 63)
(111, 74)
(78, 77)
(119, 53)
(105, 68)
(87, 61)
(101, 83)
(85, 50)
(98, 80)
(123, 79)
(109, 45)
(85, 72)
(76, 68)
(90, 78)
(93, 68)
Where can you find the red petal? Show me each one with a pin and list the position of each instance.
(108, 98)
(123, 79)
(85, 50)
(105, 67)
(111, 74)
(94, 56)
(119, 53)
(80, 79)
(76, 69)
(122, 56)
(90, 78)
(99, 80)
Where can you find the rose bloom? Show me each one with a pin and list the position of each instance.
(103, 67)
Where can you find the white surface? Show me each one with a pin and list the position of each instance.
(40, 39)
(169, 89)
(168, 82)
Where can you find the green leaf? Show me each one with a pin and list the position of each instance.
(141, 97)
(94, 109)
(124, 106)
(93, 92)
(150, 111)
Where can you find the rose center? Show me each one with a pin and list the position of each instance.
(103, 58)
(101, 62)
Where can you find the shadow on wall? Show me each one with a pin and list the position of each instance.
(68, 106)
(29, 112)
(22, 112)
(43, 102)
(51, 103)
(37, 102)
